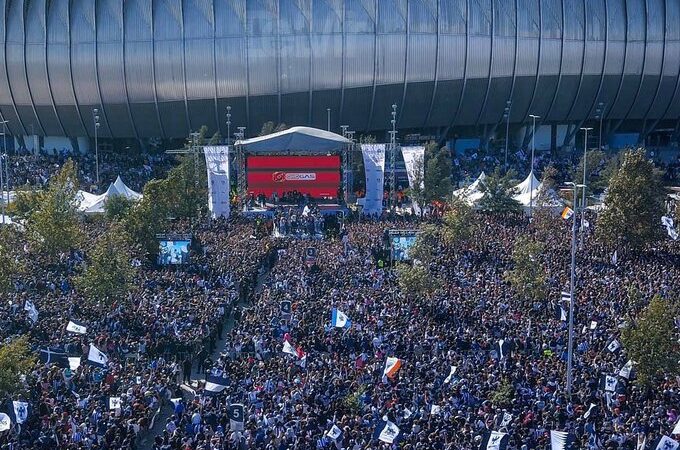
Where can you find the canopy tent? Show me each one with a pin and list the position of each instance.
(530, 183)
(295, 139)
(473, 193)
(93, 204)
(529, 191)
(7, 220)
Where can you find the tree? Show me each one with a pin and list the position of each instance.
(150, 216)
(216, 138)
(457, 223)
(53, 227)
(108, 274)
(634, 203)
(427, 240)
(416, 280)
(437, 174)
(503, 396)
(117, 207)
(596, 161)
(15, 360)
(269, 128)
(528, 276)
(417, 191)
(25, 203)
(498, 190)
(9, 267)
(651, 342)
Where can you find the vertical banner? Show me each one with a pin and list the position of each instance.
(217, 163)
(374, 164)
(414, 160)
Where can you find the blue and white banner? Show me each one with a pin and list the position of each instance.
(217, 164)
(236, 416)
(20, 411)
(340, 319)
(215, 384)
(414, 160)
(96, 357)
(374, 165)
(386, 431)
(494, 440)
(76, 327)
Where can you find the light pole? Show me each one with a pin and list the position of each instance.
(95, 117)
(228, 125)
(506, 116)
(393, 159)
(600, 115)
(585, 160)
(328, 119)
(4, 152)
(531, 172)
(570, 347)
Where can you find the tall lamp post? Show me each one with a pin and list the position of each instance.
(393, 160)
(95, 117)
(570, 348)
(583, 201)
(531, 172)
(506, 116)
(5, 202)
(328, 119)
(228, 125)
(599, 113)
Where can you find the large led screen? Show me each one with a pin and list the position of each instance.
(317, 176)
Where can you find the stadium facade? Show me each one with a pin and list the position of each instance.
(161, 68)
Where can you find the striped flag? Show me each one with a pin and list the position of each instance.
(567, 212)
(215, 384)
(392, 366)
(566, 296)
(561, 440)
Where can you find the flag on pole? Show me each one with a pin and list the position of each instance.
(340, 319)
(451, 373)
(5, 422)
(32, 311)
(613, 346)
(215, 384)
(560, 440)
(115, 403)
(666, 443)
(76, 327)
(507, 418)
(626, 370)
(20, 411)
(494, 440)
(56, 356)
(567, 212)
(334, 433)
(96, 357)
(608, 383)
(289, 349)
(236, 416)
(566, 296)
(503, 348)
(392, 365)
(386, 431)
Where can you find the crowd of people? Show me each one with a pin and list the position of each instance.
(327, 349)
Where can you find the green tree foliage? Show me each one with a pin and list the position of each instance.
(426, 244)
(108, 274)
(25, 203)
(437, 174)
(528, 277)
(596, 179)
(417, 191)
(503, 396)
(498, 191)
(652, 342)
(150, 216)
(457, 223)
(117, 207)
(186, 187)
(416, 280)
(634, 203)
(8, 265)
(15, 360)
(53, 227)
(269, 128)
(216, 138)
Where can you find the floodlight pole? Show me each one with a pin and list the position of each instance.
(531, 172)
(228, 125)
(95, 117)
(570, 348)
(506, 116)
(393, 160)
(585, 154)
(328, 119)
(4, 160)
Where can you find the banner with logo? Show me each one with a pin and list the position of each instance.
(414, 160)
(217, 164)
(374, 164)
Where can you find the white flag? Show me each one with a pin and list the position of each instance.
(451, 373)
(387, 432)
(613, 346)
(5, 422)
(32, 311)
(75, 327)
(334, 433)
(615, 257)
(74, 362)
(593, 324)
(666, 443)
(114, 403)
(96, 357)
(676, 430)
(507, 418)
(20, 411)
(435, 410)
(289, 349)
(558, 440)
(626, 369)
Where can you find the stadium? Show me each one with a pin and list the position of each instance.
(454, 68)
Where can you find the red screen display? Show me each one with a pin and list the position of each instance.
(317, 176)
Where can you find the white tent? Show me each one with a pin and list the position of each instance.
(529, 191)
(7, 220)
(294, 139)
(473, 193)
(93, 204)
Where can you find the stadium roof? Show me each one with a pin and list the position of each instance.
(295, 139)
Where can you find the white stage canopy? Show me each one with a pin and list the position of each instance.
(473, 193)
(295, 139)
(94, 204)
